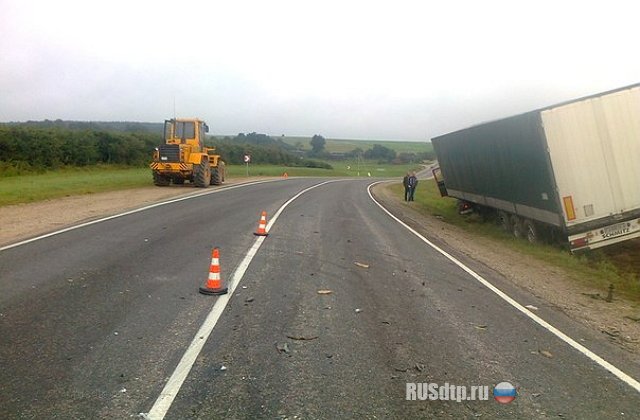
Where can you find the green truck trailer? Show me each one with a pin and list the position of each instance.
(571, 169)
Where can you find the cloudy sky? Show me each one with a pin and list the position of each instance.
(406, 70)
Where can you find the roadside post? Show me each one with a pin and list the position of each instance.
(247, 159)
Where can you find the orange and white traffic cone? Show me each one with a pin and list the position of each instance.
(214, 284)
(262, 226)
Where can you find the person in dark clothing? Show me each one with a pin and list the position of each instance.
(405, 182)
(412, 181)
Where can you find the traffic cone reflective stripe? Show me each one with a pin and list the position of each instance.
(214, 284)
(262, 225)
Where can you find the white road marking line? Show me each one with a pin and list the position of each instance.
(173, 385)
(115, 216)
(544, 324)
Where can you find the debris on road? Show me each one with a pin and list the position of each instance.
(533, 308)
(302, 338)
(546, 353)
(403, 369)
(325, 292)
(358, 310)
(283, 347)
(481, 327)
(362, 265)
(249, 300)
(420, 367)
(123, 390)
(223, 368)
(635, 318)
(612, 332)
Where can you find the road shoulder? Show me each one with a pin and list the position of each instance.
(23, 221)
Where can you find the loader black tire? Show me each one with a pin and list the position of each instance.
(161, 180)
(201, 174)
(222, 171)
(215, 177)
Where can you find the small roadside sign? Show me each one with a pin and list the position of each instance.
(247, 158)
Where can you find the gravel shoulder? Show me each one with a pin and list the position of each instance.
(552, 284)
(23, 221)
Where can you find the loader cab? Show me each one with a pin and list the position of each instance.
(185, 131)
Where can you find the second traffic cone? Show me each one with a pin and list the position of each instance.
(214, 284)
(262, 226)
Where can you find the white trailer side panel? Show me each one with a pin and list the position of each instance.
(594, 146)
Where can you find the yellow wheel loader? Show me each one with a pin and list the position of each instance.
(183, 156)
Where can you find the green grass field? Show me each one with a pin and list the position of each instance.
(597, 269)
(78, 181)
(349, 168)
(74, 181)
(342, 146)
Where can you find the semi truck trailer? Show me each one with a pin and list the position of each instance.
(570, 170)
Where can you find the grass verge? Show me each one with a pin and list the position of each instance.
(70, 181)
(346, 168)
(94, 179)
(595, 269)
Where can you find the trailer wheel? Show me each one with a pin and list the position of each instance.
(161, 180)
(531, 231)
(504, 221)
(517, 226)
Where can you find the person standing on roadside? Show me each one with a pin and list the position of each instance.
(412, 181)
(405, 182)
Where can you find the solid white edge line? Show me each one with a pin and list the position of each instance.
(138, 210)
(179, 375)
(544, 324)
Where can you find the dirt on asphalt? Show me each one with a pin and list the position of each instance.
(614, 320)
(618, 321)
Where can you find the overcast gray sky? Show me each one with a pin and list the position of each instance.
(406, 70)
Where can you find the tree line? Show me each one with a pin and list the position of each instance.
(263, 149)
(26, 149)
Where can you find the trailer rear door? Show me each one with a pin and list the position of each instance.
(594, 147)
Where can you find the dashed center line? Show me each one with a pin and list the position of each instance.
(173, 385)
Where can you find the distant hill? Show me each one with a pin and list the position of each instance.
(344, 145)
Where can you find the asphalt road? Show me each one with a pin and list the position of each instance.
(94, 321)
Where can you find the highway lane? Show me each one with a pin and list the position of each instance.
(95, 320)
(421, 320)
(95, 311)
